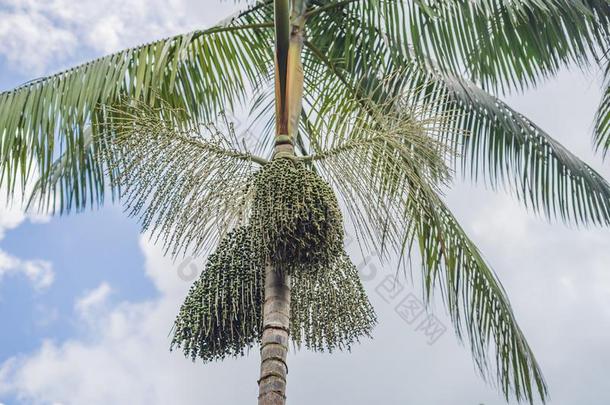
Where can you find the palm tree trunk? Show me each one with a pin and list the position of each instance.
(274, 343)
(289, 28)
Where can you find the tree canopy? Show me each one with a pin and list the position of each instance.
(397, 95)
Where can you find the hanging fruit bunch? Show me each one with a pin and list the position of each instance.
(295, 223)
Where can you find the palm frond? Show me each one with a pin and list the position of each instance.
(475, 300)
(202, 72)
(187, 187)
(510, 150)
(602, 118)
(491, 139)
(389, 180)
(74, 180)
(509, 44)
(368, 165)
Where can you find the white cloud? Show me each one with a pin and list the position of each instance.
(125, 357)
(35, 35)
(93, 299)
(29, 39)
(9, 219)
(38, 272)
(12, 212)
(125, 346)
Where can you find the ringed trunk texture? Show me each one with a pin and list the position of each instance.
(274, 342)
(289, 30)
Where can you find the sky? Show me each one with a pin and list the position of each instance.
(86, 302)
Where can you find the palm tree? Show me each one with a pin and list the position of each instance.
(378, 102)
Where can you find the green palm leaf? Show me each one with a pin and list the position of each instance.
(476, 301)
(202, 72)
(491, 139)
(511, 150)
(188, 187)
(504, 43)
(602, 119)
(389, 180)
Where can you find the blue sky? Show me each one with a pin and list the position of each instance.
(86, 302)
(89, 249)
(85, 250)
